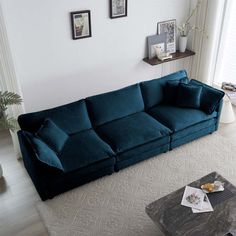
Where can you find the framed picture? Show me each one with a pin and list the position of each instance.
(118, 8)
(154, 41)
(81, 24)
(168, 27)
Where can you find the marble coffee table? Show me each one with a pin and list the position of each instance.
(177, 220)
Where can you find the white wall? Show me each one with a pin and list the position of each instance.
(53, 69)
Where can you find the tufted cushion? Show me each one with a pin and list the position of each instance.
(52, 135)
(178, 118)
(72, 118)
(210, 97)
(153, 90)
(132, 131)
(188, 96)
(43, 152)
(114, 105)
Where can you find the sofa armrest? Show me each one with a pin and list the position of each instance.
(38, 171)
(219, 106)
(211, 99)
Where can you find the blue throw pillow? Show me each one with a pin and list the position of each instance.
(52, 135)
(210, 97)
(43, 152)
(171, 90)
(189, 96)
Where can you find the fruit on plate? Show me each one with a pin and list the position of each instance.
(209, 187)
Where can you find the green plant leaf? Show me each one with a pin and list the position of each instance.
(9, 98)
(6, 99)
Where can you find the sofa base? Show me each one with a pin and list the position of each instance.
(192, 137)
(50, 182)
(140, 157)
(60, 187)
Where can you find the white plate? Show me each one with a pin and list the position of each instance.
(219, 189)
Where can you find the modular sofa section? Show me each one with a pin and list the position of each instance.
(186, 124)
(50, 181)
(119, 119)
(84, 156)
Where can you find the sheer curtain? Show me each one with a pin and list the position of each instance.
(208, 18)
(8, 80)
(226, 60)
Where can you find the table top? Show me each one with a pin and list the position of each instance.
(175, 219)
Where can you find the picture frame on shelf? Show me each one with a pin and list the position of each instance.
(118, 8)
(81, 24)
(168, 27)
(156, 40)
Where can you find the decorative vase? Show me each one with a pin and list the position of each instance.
(0, 171)
(182, 43)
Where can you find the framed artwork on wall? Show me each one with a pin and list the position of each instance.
(81, 24)
(118, 8)
(168, 27)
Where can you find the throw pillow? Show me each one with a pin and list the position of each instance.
(188, 96)
(52, 135)
(210, 97)
(171, 90)
(43, 153)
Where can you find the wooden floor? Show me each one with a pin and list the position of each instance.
(18, 216)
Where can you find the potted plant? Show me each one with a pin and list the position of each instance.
(185, 28)
(6, 121)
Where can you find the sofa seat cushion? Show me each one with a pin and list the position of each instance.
(83, 149)
(177, 118)
(132, 131)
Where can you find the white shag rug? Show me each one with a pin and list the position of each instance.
(115, 205)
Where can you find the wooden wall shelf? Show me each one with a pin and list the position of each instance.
(176, 56)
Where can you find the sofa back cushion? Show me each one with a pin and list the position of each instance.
(153, 90)
(71, 118)
(114, 105)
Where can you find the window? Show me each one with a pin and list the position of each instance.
(226, 61)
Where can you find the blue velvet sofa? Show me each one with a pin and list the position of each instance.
(96, 136)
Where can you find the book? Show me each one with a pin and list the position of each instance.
(206, 206)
